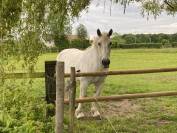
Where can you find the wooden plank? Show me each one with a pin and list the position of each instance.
(124, 72)
(125, 96)
(24, 75)
(121, 72)
(59, 97)
(72, 96)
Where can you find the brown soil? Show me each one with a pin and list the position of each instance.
(125, 107)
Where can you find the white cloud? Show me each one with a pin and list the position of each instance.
(173, 25)
(98, 16)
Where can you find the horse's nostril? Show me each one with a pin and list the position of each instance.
(105, 62)
(108, 61)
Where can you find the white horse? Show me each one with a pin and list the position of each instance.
(94, 58)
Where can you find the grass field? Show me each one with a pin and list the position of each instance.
(156, 115)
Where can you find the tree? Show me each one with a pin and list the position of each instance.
(41, 15)
(117, 38)
(61, 42)
(173, 38)
(152, 7)
(129, 38)
(164, 42)
(154, 38)
(49, 15)
(24, 21)
(82, 32)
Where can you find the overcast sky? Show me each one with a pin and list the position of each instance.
(132, 21)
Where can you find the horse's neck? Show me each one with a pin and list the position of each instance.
(92, 59)
(92, 53)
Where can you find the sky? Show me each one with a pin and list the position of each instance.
(98, 16)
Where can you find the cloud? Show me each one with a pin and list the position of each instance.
(98, 16)
(173, 25)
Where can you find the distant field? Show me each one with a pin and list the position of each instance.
(130, 59)
(156, 115)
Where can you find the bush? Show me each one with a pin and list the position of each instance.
(115, 44)
(174, 44)
(165, 41)
(167, 45)
(154, 45)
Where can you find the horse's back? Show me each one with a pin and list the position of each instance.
(70, 57)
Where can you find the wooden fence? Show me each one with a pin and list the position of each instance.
(55, 88)
(50, 79)
(72, 91)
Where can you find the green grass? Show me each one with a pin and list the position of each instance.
(135, 59)
(149, 118)
(156, 115)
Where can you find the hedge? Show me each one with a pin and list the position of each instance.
(136, 45)
(83, 44)
(174, 44)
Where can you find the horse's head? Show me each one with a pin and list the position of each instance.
(103, 45)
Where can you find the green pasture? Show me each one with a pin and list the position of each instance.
(151, 115)
(156, 115)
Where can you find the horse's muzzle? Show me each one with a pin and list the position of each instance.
(106, 63)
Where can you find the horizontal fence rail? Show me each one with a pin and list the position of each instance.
(125, 96)
(90, 74)
(124, 72)
(23, 75)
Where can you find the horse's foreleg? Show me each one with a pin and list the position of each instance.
(83, 90)
(94, 108)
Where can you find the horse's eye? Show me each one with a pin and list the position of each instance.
(99, 44)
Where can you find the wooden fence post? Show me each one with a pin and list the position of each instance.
(50, 85)
(72, 96)
(59, 97)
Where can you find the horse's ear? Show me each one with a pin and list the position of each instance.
(110, 32)
(98, 32)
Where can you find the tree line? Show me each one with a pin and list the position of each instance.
(145, 38)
